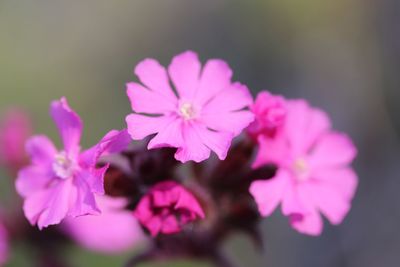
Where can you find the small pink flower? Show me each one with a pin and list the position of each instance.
(114, 231)
(61, 184)
(206, 114)
(167, 207)
(3, 245)
(270, 114)
(314, 175)
(15, 129)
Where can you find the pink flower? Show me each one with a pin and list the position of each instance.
(167, 207)
(314, 175)
(270, 114)
(14, 131)
(206, 113)
(114, 231)
(3, 244)
(61, 184)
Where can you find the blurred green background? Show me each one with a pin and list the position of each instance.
(342, 55)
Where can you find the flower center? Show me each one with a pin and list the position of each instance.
(188, 111)
(301, 169)
(63, 166)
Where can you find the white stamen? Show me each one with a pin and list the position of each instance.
(188, 111)
(63, 166)
(301, 169)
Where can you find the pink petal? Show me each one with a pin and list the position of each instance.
(154, 76)
(231, 122)
(215, 77)
(94, 177)
(167, 193)
(140, 126)
(69, 124)
(301, 208)
(333, 149)
(82, 198)
(112, 232)
(304, 216)
(295, 200)
(113, 142)
(267, 102)
(270, 114)
(41, 150)
(184, 71)
(329, 201)
(32, 179)
(154, 225)
(310, 224)
(219, 142)
(232, 98)
(35, 204)
(50, 206)
(96, 180)
(144, 100)
(304, 125)
(163, 196)
(344, 181)
(192, 147)
(188, 217)
(170, 225)
(169, 136)
(143, 211)
(272, 150)
(268, 194)
(188, 202)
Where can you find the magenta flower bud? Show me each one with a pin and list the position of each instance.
(270, 113)
(167, 208)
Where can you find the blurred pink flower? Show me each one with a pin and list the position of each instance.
(314, 175)
(206, 115)
(167, 207)
(63, 183)
(15, 129)
(270, 114)
(3, 244)
(115, 230)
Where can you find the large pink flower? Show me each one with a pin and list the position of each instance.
(314, 175)
(63, 183)
(167, 207)
(205, 114)
(3, 244)
(15, 129)
(114, 231)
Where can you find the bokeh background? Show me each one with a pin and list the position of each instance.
(341, 55)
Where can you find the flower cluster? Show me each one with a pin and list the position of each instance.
(168, 185)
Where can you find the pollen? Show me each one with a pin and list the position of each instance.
(188, 111)
(301, 169)
(63, 166)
